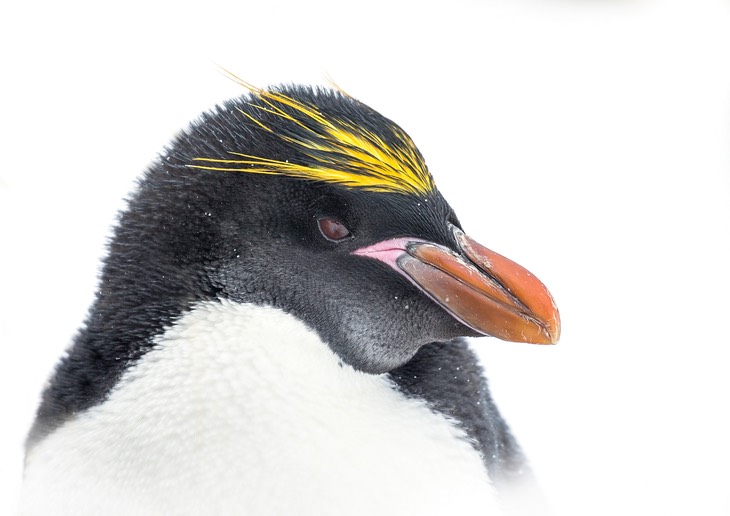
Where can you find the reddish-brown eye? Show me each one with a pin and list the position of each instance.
(333, 229)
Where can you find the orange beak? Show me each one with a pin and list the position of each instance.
(482, 289)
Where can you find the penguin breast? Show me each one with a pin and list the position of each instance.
(242, 409)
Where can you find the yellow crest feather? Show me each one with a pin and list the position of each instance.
(339, 151)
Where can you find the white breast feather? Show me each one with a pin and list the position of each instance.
(241, 409)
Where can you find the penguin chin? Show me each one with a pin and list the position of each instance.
(380, 348)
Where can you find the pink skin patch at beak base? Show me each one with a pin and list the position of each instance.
(387, 251)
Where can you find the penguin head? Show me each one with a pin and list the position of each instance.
(311, 202)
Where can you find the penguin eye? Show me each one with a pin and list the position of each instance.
(333, 230)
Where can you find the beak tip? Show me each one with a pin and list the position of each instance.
(548, 338)
(552, 327)
(554, 337)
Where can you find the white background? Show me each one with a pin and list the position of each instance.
(589, 141)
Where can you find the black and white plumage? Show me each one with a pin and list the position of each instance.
(278, 330)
